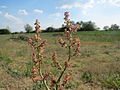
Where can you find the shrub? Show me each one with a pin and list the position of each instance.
(4, 31)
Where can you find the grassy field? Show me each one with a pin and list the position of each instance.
(97, 68)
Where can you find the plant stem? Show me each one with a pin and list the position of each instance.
(44, 81)
(56, 87)
(69, 57)
(61, 74)
(39, 69)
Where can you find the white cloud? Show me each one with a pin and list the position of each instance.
(65, 6)
(69, 6)
(13, 18)
(38, 11)
(56, 14)
(84, 12)
(112, 2)
(24, 12)
(78, 5)
(15, 23)
(106, 19)
(102, 1)
(3, 6)
(10, 17)
(89, 4)
(84, 6)
(115, 2)
(0, 12)
(55, 25)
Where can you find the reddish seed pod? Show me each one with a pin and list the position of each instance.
(55, 61)
(46, 75)
(43, 43)
(30, 41)
(37, 22)
(66, 79)
(77, 26)
(67, 14)
(37, 27)
(53, 80)
(37, 79)
(62, 42)
(67, 64)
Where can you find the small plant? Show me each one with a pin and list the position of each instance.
(48, 79)
(112, 82)
(86, 77)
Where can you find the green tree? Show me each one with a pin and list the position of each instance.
(72, 22)
(4, 31)
(28, 28)
(50, 29)
(87, 26)
(106, 28)
(114, 27)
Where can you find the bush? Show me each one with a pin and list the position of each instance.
(86, 77)
(4, 31)
(50, 29)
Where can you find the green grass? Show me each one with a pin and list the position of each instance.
(8, 60)
(100, 36)
(100, 56)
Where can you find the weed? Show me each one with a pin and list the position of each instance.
(57, 79)
(7, 60)
(86, 77)
(112, 81)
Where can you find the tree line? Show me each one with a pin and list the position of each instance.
(84, 26)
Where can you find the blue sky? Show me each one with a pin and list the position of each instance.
(17, 13)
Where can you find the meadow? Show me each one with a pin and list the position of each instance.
(97, 67)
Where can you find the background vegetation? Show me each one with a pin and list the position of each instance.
(85, 26)
(97, 67)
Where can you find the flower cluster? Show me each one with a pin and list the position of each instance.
(38, 53)
(31, 42)
(70, 28)
(62, 42)
(41, 53)
(67, 20)
(67, 64)
(73, 42)
(34, 73)
(53, 82)
(76, 45)
(66, 79)
(37, 27)
(46, 75)
(55, 60)
(77, 49)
